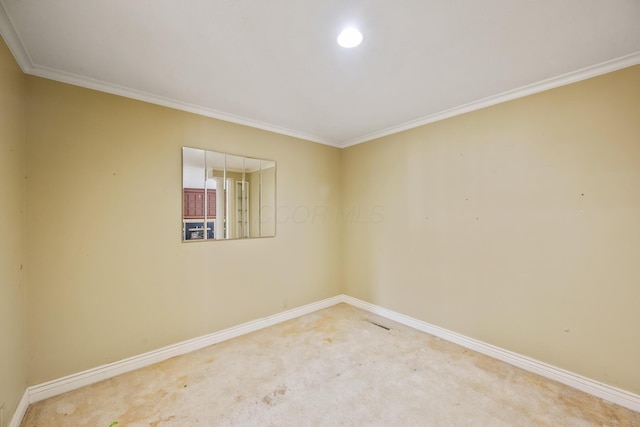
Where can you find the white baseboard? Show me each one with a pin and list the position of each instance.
(62, 385)
(595, 388)
(21, 410)
(91, 376)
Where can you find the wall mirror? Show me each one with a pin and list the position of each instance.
(225, 196)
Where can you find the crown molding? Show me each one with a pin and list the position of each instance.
(11, 37)
(562, 80)
(89, 83)
(13, 41)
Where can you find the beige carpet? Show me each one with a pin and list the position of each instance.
(333, 367)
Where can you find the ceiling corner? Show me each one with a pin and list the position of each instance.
(554, 82)
(13, 41)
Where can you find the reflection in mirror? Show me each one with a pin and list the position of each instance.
(226, 196)
(267, 198)
(193, 194)
(237, 202)
(214, 184)
(252, 196)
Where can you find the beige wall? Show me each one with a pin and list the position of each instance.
(13, 334)
(518, 225)
(110, 276)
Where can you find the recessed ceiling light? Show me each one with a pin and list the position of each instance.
(350, 37)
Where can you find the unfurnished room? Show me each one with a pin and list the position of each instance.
(319, 213)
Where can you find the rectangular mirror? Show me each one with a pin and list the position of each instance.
(225, 196)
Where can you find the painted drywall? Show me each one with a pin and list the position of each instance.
(110, 276)
(518, 225)
(13, 333)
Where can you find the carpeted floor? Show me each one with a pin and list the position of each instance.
(338, 366)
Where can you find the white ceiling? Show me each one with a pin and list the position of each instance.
(275, 64)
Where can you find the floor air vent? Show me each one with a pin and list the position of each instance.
(379, 325)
